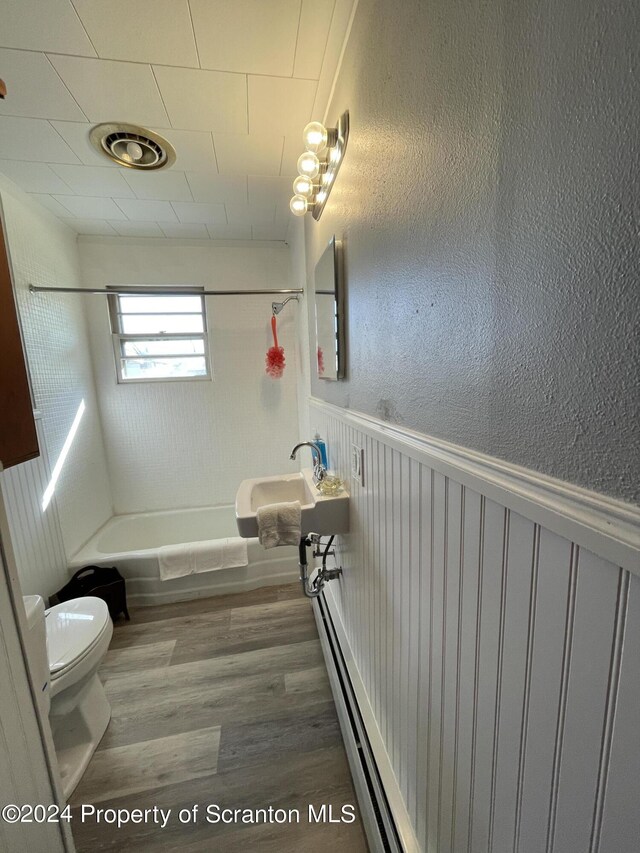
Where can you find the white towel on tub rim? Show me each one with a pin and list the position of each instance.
(188, 558)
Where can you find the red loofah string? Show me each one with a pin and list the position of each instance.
(275, 355)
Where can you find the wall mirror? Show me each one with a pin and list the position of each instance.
(329, 302)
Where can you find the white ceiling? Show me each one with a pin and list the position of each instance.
(230, 83)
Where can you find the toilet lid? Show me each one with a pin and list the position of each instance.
(72, 628)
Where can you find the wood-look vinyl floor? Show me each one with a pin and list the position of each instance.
(222, 701)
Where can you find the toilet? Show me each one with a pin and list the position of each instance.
(77, 634)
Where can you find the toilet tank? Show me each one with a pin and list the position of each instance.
(36, 642)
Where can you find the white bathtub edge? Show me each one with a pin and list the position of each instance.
(144, 592)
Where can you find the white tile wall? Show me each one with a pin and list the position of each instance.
(43, 251)
(185, 444)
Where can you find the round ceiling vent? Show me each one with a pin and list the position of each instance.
(132, 146)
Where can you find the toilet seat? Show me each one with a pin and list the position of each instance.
(74, 629)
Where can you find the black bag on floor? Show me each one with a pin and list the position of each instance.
(105, 583)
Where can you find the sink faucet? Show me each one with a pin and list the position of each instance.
(319, 471)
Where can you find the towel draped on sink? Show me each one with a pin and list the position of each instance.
(279, 524)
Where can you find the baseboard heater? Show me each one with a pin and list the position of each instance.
(377, 818)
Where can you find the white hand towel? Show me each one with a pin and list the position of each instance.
(279, 524)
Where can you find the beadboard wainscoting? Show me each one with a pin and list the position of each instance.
(490, 621)
(36, 536)
(25, 754)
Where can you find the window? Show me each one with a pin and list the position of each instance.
(159, 338)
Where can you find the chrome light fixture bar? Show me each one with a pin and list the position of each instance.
(318, 166)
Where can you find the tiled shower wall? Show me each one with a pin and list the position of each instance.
(43, 251)
(187, 444)
(499, 663)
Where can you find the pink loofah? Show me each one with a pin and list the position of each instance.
(275, 355)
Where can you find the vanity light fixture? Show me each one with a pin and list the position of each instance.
(319, 165)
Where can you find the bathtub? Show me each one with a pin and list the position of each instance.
(131, 543)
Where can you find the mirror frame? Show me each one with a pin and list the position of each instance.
(334, 250)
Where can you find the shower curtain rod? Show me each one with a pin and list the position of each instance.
(164, 291)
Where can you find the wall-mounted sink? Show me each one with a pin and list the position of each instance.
(319, 513)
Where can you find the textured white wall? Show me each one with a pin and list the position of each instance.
(297, 260)
(186, 444)
(43, 251)
(488, 203)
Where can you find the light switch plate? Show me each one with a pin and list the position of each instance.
(357, 463)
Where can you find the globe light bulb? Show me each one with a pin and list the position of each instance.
(309, 165)
(315, 137)
(134, 151)
(298, 205)
(303, 185)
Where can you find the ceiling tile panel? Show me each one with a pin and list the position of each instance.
(139, 32)
(249, 36)
(333, 51)
(32, 139)
(76, 135)
(230, 85)
(217, 188)
(180, 229)
(146, 211)
(138, 229)
(194, 149)
(279, 106)
(283, 212)
(269, 190)
(34, 89)
(250, 214)
(158, 186)
(33, 177)
(51, 204)
(36, 25)
(196, 212)
(112, 91)
(229, 232)
(97, 227)
(293, 148)
(246, 154)
(94, 180)
(315, 20)
(90, 208)
(274, 231)
(204, 100)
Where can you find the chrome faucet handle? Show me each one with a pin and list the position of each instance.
(319, 471)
